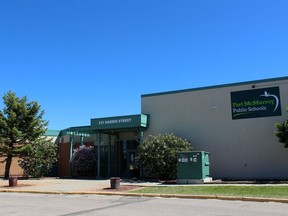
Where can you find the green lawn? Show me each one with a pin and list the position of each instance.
(242, 191)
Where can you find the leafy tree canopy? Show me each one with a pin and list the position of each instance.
(282, 131)
(158, 155)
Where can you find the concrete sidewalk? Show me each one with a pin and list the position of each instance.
(102, 187)
(68, 185)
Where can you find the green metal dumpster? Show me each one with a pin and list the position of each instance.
(193, 167)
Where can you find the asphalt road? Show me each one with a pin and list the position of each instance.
(67, 205)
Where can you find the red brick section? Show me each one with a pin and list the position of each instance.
(63, 160)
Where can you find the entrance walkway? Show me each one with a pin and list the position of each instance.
(56, 185)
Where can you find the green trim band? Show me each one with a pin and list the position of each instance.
(216, 86)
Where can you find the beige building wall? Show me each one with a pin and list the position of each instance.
(243, 148)
(15, 169)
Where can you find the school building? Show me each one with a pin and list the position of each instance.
(234, 122)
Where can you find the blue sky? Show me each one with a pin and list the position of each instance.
(83, 59)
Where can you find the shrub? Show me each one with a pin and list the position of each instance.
(84, 160)
(37, 159)
(158, 155)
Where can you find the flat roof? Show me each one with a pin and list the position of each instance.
(216, 86)
(52, 133)
(115, 123)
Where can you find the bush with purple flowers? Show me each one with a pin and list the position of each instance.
(84, 160)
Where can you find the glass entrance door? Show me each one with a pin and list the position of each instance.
(126, 164)
(133, 170)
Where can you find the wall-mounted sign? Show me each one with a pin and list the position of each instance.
(76, 133)
(256, 103)
(115, 121)
(120, 122)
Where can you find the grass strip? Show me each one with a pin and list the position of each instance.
(241, 191)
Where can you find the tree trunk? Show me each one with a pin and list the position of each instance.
(7, 166)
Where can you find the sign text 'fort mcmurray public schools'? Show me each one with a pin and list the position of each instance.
(256, 103)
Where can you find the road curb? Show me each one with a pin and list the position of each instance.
(182, 196)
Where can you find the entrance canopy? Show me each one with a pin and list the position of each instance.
(120, 122)
(116, 140)
(128, 122)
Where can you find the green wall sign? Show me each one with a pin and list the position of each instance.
(120, 122)
(256, 103)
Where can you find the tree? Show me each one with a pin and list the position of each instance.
(37, 159)
(21, 124)
(282, 131)
(158, 155)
